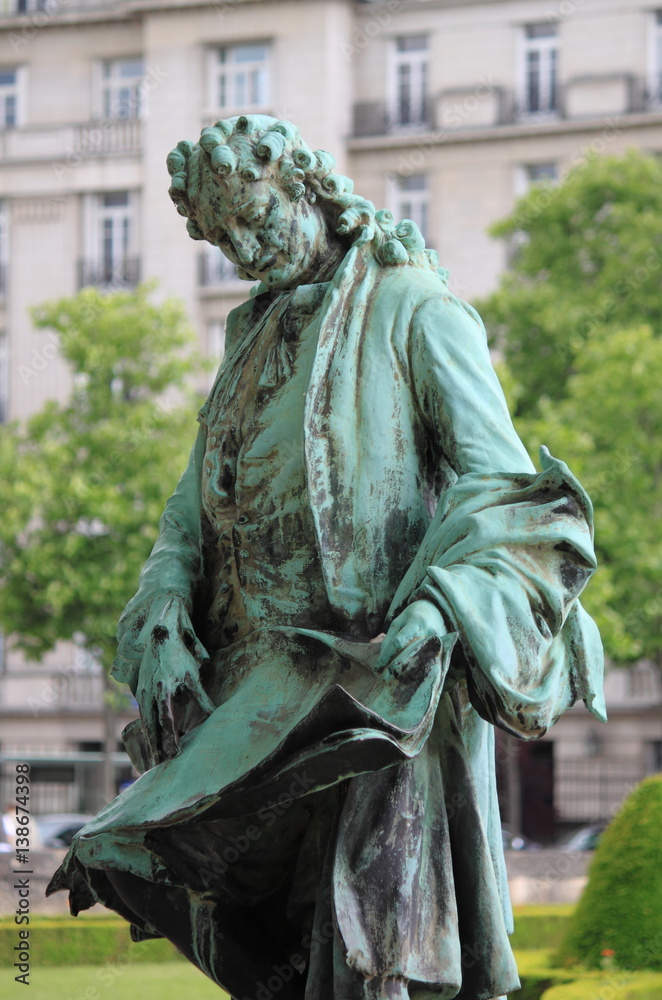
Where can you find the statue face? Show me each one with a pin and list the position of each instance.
(272, 238)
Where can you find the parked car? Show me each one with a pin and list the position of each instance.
(58, 829)
(517, 843)
(9, 824)
(5, 846)
(584, 839)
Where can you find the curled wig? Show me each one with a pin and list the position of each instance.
(245, 145)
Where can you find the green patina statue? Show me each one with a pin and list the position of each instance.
(358, 576)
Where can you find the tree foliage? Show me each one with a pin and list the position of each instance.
(608, 427)
(589, 258)
(578, 321)
(83, 485)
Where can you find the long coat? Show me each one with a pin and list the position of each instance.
(419, 488)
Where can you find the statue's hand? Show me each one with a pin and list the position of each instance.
(169, 692)
(419, 620)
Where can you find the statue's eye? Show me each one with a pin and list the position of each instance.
(257, 218)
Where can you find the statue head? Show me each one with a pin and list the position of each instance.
(275, 208)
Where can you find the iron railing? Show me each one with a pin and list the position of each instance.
(41, 9)
(66, 145)
(111, 275)
(380, 118)
(591, 789)
(509, 107)
(215, 269)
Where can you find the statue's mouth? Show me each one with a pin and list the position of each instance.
(264, 263)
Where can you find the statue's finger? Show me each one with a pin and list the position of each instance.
(149, 716)
(169, 735)
(389, 648)
(202, 699)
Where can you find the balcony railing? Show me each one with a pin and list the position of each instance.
(380, 118)
(215, 269)
(646, 93)
(66, 145)
(110, 275)
(488, 106)
(42, 9)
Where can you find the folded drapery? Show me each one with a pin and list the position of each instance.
(300, 710)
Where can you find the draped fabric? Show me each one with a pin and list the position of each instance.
(387, 859)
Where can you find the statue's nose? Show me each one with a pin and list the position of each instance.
(246, 247)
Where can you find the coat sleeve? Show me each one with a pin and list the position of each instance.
(508, 551)
(458, 392)
(175, 565)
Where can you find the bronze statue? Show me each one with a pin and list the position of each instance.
(359, 574)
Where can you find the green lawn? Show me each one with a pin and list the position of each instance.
(124, 981)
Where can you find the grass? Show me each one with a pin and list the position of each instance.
(537, 973)
(128, 979)
(113, 981)
(92, 958)
(615, 985)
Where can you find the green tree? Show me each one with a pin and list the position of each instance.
(608, 427)
(588, 257)
(577, 321)
(82, 485)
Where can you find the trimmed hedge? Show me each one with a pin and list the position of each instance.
(620, 910)
(85, 941)
(541, 926)
(92, 939)
(95, 940)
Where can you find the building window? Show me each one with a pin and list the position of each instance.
(529, 174)
(240, 77)
(215, 268)
(27, 6)
(539, 96)
(411, 200)
(111, 259)
(215, 345)
(122, 88)
(655, 76)
(8, 98)
(409, 81)
(4, 249)
(537, 172)
(4, 412)
(654, 756)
